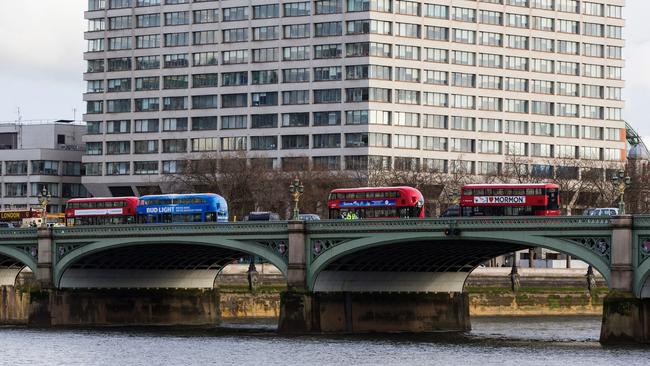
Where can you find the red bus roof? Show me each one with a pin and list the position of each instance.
(515, 185)
(104, 199)
(405, 189)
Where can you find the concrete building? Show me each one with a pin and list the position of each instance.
(438, 84)
(34, 155)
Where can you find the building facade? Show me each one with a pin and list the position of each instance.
(37, 155)
(347, 84)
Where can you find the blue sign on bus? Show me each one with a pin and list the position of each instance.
(368, 203)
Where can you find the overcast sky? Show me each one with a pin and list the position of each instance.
(42, 63)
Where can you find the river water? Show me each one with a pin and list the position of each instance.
(566, 341)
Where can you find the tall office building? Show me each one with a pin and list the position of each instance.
(436, 84)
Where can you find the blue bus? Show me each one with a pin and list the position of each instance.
(168, 208)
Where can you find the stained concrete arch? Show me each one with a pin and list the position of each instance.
(85, 267)
(441, 279)
(12, 262)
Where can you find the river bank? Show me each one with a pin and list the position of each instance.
(542, 292)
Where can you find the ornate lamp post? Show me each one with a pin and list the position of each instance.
(44, 199)
(623, 182)
(296, 190)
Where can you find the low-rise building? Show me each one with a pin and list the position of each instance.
(36, 155)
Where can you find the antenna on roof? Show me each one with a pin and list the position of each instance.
(20, 117)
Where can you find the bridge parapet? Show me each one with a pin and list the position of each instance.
(483, 223)
(243, 228)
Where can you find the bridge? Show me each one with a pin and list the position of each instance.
(342, 276)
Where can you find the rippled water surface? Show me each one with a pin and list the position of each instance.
(571, 341)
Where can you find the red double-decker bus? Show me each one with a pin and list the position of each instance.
(510, 200)
(375, 203)
(101, 211)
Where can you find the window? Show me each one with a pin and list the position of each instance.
(262, 99)
(488, 147)
(147, 83)
(175, 124)
(45, 167)
(327, 51)
(205, 144)
(118, 147)
(266, 33)
(145, 147)
(175, 103)
(205, 58)
(295, 142)
(146, 125)
(205, 80)
(176, 61)
(204, 101)
(147, 62)
(264, 77)
(434, 143)
(234, 122)
(295, 97)
(327, 118)
(295, 53)
(328, 29)
(326, 141)
(296, 31)
(264, 121)
(175, 82)
(177, 39)
(328, 73)
(264, 142)
(297, 9)
(236, 13)
(295, 75)
(234, 57)
(206, 16)
(266, 11)
(407, 52)
(265, 55)
(295, 119)
(204, 37)
(235, 35)
(327, 96)
(177, 18)
(113, 127)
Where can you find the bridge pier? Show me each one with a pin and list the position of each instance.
(351, 312)
(626, 318)
(124, 307)
(45, 250)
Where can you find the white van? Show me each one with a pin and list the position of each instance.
(610, 211)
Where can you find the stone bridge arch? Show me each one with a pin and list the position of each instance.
(162, 262)
(18, 252)
(474, 247)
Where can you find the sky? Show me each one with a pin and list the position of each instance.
(42, 45)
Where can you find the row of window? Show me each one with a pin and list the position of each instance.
(355, 140)
(358, 117)
(405, 7)
(351, 162)
(355, 72)
(66, 190)
(40, 167)
(356, 27)
(361, 49)
(324, 29)
(355, 95)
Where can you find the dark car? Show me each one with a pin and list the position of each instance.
(451, 211)
(262, 216)
(309, 217)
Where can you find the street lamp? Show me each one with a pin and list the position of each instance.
(44, 199)
(623, 182)
(296, 189)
